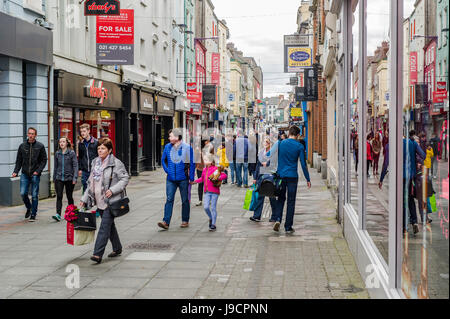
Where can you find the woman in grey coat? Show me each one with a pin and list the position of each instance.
(99, 193)
(65, 174)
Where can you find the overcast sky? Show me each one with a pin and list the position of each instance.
(257, 28)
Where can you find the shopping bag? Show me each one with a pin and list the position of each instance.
(85, 221)
(83, 237)
(432, 200)
(254, 199)
(70, 233)
(248, 199)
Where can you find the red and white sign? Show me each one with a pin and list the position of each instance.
(191, 87)
(215, 68)
(439, 96)
(412, 68)
(196, 102)
(116, 29)
(441, 86)
(96, 91)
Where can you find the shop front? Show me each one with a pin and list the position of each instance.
(80, 100)
(146, 132)
(395, 220)
(165, 111)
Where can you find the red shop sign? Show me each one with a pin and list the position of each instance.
(413, 68)
(191, 86)
(196, 102)
(441, 86)
(101, 7)
(439, 96)
(96, 91)
(215, 72)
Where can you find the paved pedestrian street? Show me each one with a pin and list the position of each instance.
(242, 259)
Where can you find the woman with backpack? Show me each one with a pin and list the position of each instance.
(65, 174)
(211, 189)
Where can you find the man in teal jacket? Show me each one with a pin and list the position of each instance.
(178, 163)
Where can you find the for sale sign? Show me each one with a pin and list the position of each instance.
(101, 7)
(115, 38)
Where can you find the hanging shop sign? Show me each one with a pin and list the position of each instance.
(439, 96)
(296, 40)
(296, 112)
(293, 81)
(209, 94)
(115, 38)
(310, 91)
(191, 86)
(421, 93)
(441, 86)
(196, 102)
(182, 104)
(215, 68)
(101, 7)
(297, 58)
(412, 68)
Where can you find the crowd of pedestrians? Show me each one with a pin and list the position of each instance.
(218, 158)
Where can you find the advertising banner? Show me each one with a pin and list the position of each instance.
(115, 38)
(209, 94)
(215, 68)
(101, 7)
(191, 86)
(439, 96)
(441, 86)
(296, 112)
(412, 68)
(196, 102)
(297, 59)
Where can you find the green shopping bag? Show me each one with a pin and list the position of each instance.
(248, 199)
(432, 199)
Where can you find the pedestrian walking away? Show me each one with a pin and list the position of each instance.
(290, 152)
(178, 163)
(87, 151)
(211, 191)
(106, 184)
(263, 166)
(65, 173)
(31, 159)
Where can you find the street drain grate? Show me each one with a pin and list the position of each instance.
(150, 246)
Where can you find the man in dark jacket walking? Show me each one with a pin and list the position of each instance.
(178, 163)
(31, 159)
(87, 151)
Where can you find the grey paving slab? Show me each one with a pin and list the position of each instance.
(43, 293)
(108, 281)
(164, 293)
(105, 293)
(174, 283)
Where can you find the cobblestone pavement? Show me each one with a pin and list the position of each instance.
(242, 259)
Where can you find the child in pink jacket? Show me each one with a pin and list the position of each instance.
(211, 193)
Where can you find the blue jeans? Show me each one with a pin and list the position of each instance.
(210, 204)
(239, 167)
(233, 170)
(25, 182)
(288, 184)
(171, 188)
(84, 179)
(260, 205)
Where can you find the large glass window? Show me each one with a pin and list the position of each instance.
(65, 123)
(425, 260)
(376, 134)
(353, 150)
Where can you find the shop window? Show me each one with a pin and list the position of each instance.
(102, 123)
(425, 218)
(65, 123)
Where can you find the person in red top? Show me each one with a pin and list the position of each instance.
(211, 192)
(369, 152)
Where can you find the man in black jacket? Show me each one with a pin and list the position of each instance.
(31, 158)
(87, 151)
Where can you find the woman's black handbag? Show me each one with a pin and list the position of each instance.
(119, 207)
(85, 221)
